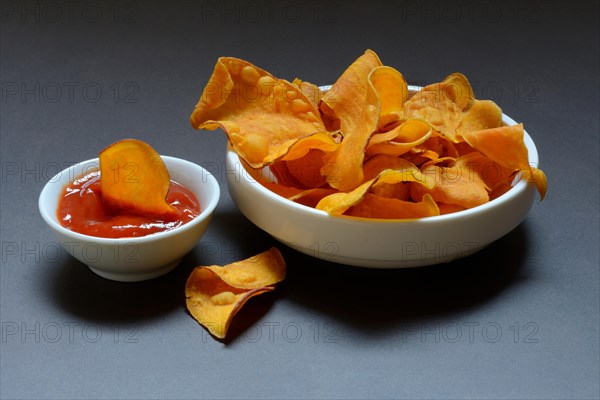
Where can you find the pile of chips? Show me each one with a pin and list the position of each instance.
(214, 294)
(365, 147)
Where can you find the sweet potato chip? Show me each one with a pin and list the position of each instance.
(376, 165)
(133, 177)
(462, 187)
(311, 197)
(400, 191)
(338, 203)
(312, 91)
(355, 103)
(282, 190)
(320, 141)
(262, 115)
(483, 114)
(457, 88)
(492, 173)
(264, 269)
(401, 139)
(441, 105)
(449, 208)
(392, 90)
(505, 146)
(373, 206)
(215, 294)
(440, 145)
(213, 303)
(538, 178)
(303, 165)
(308, 170)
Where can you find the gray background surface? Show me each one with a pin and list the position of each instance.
(516, 320)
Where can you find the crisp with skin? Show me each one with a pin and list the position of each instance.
(262, 115)
(134, 178)
(214, 294)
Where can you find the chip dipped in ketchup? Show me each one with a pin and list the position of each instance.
(82, 209)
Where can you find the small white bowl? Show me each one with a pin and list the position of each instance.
(380, 243)
(139, 258)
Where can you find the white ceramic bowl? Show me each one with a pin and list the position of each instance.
(380, 243)
(140, 258)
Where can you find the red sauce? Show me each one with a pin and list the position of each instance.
(81, 209)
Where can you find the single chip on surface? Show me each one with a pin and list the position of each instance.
(214, 294)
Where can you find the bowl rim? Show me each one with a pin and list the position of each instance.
(518, 188)
(205, 212)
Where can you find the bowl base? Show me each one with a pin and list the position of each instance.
(135, 276)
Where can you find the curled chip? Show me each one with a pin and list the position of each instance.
(262, 115)
(354, 102)
(214, 294)
(338, 203)
(367, 147)
(134, 177)
(392, 90)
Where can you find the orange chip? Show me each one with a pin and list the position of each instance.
(305, 161)
(503, 145)
(440, 145)
(392, 90)
(312, 91)
(264, 269)
(457, 88)
(373, 206)
(311, 197)
(538, 178)
(418, 156)
(262, 115)
(492, 174)
(338, 203)
(308, 170)
(462, 186)
(463, 148)
(284, 176)
(441, 105)
(354, 102)
(401, 139)
(213, 303)
(483, 114)
(400, 191)
(376, 165)
(499, 190)
(282, 190)
(215, 294)
(133, 177)
(449, 208)
(319, 141)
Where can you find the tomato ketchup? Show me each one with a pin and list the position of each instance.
(82, 209)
